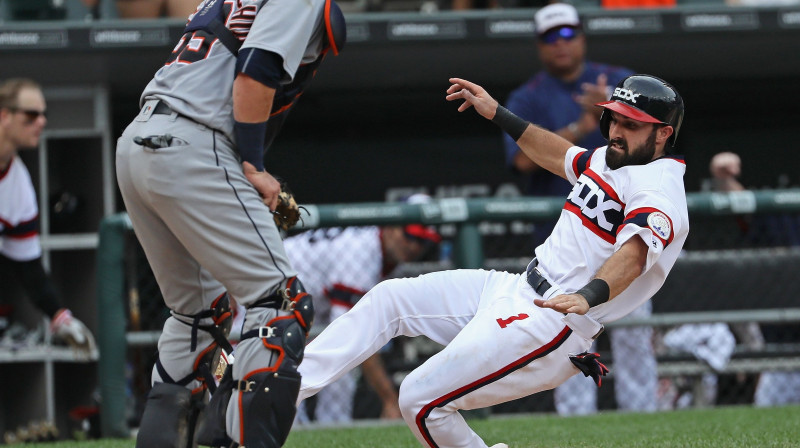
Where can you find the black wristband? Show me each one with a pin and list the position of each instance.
(510, 123)
(250, 142)
(595, 292)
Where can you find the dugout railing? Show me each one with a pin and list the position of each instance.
(730, 279)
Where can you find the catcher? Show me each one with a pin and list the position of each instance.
(191, 171)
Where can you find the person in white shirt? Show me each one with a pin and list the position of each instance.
(22, 120)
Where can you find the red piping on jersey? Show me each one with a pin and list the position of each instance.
(604, 185)
(575, 160)
(541, 352)
(647, 211)
(607, 237)
(18, 232)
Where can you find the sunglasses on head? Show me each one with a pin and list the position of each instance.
(30, 114)
(565, 32)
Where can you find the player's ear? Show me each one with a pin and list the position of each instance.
(663, 133)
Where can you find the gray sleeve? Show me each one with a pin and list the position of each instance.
(288, 28)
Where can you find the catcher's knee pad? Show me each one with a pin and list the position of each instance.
(170, 415)
(300, 302)
(267, 402)
(216, 322)
(293, 300)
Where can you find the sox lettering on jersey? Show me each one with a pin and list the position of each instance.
(598, 206)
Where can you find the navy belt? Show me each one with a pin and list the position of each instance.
(536, 280)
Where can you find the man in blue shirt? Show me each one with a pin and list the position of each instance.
(561, 98)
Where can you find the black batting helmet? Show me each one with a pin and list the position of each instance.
(645, 98)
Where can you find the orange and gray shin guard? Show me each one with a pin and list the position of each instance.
(266, 397)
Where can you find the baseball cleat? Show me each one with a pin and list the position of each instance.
(499, 445)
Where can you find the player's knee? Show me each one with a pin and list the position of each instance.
(410, 397)
(385, 294)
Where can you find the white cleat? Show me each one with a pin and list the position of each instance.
(499, 445)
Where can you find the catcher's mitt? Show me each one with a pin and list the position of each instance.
(287, 213)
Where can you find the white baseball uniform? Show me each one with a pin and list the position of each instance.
(19, 213)
(499, 346)
(337, 266)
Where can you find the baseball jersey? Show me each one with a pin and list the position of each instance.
(337, 266)
(605, 209)
(19, 213)
(197, 78)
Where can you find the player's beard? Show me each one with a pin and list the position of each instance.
(639, 156)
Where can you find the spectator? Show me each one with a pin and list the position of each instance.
(338, 266)
(151, 9)
(561, 98)
(22, 119)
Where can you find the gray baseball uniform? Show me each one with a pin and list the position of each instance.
(202, 224)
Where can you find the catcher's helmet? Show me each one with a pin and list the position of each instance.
(645, 98)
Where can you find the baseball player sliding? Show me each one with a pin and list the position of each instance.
(191, 172)
(511, 335)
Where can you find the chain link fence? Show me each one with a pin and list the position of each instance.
(723, 329)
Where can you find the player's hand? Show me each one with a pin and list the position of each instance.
(726, 165)
(593, 94)
(473, 95)
(265, 184)
(565, 303)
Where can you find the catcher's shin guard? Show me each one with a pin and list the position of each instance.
(262, 407)
(211, 430)
(179, 402)
(169, 417)
(267, 403)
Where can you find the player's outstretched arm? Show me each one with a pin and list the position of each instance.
(617, 273)
(545, 148)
